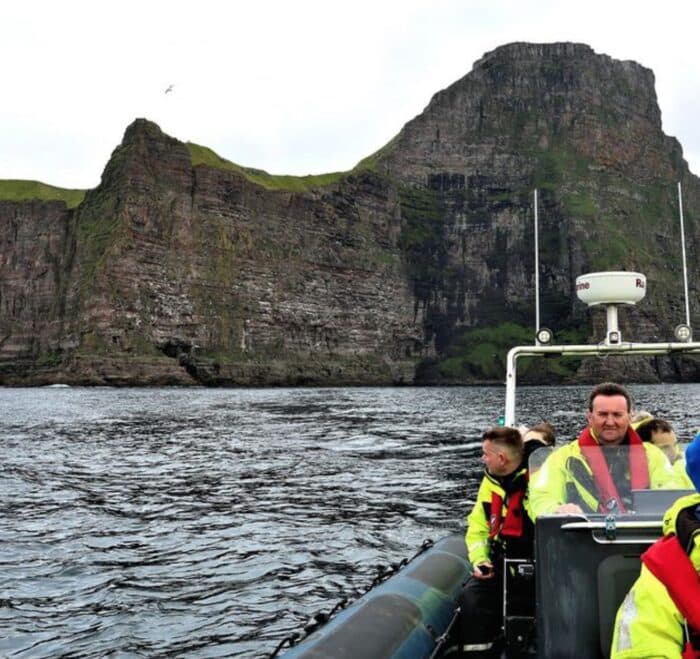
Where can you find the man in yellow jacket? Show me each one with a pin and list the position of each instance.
(499, 524)
(598, 471)
(660, 617)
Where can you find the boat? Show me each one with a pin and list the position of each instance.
(583, 564)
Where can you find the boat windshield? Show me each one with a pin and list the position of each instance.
(606, 480)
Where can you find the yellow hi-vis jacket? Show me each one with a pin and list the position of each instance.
(683, 478)
(648, 623)
(479, 519)
(548, 487)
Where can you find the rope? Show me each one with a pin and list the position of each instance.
(291, 639)
(442, 639)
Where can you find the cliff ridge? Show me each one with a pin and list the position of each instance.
(414, 267)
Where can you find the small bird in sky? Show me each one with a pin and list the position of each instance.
(169, 89)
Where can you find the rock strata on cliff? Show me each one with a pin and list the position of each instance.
(415, 267)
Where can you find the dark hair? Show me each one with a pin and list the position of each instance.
(655, 425)
(506, 437)
(547, 431)
(609, 389)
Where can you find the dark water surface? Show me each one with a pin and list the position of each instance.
(213, 523)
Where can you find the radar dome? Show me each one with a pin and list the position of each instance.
(611, 287)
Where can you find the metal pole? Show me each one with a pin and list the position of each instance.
(685, 269)
(511, 366)
(537, 273)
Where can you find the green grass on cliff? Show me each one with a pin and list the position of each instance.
(479, 354)
(15, 190)
(371, 162)
(558, 164)
(201, 155)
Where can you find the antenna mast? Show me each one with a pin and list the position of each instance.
(685, 269)
(537, 272)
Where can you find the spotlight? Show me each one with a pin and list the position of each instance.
(614, 337)
(683, 333)
(544, 336)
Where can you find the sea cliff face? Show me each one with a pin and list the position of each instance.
(417, 266)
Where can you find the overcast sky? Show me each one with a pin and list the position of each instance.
(303, 87)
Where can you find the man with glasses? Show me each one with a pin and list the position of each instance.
(660, 433)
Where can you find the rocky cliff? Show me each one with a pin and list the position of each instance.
(182, 268)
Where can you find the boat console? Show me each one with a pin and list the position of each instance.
(583, 575)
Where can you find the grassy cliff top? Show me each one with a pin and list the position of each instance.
(202, 155)
(16, 190)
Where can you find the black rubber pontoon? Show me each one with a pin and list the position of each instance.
(403, 618)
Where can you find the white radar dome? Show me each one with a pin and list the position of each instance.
(611, 287)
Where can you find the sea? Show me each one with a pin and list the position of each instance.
(178, 522)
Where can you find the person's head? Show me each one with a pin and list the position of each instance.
(640, 418)
(502, 450)
(692, 461)
(660, 433)
(542, 432)
(608, 414)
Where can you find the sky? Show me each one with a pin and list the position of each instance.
(305, 87)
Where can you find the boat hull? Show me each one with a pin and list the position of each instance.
(403, 618)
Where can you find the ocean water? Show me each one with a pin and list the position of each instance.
(216, 522)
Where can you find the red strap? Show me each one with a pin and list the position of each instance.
(667, 561)
(689, 652)
(496, 519)
(512, 525)
(639, 468)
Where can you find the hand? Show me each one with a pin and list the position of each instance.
(483, 571)
(569, 509)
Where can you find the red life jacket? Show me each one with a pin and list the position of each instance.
(667, 561)
(607, 491)
(510, 526)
